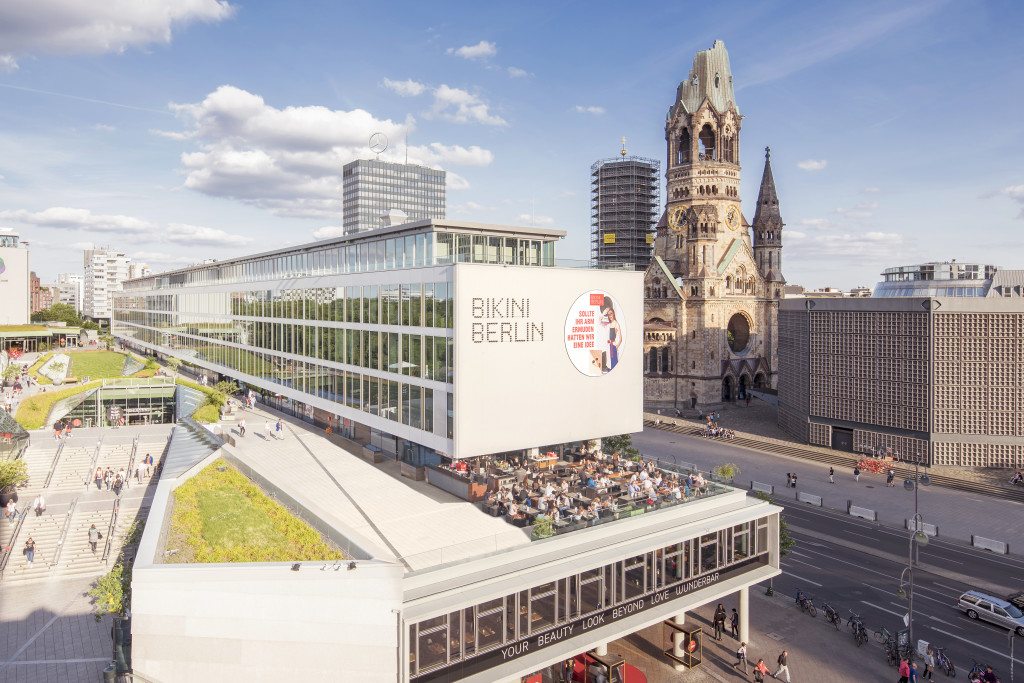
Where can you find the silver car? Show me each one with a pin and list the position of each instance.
(990, 608)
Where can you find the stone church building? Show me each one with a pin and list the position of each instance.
(712, 290)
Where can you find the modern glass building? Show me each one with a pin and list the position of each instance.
(372, 188)
(360, 332)
(937, 278)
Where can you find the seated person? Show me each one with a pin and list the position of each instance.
(633, 490)
(590, 481)
(644, 476)
(565, 486)
(513, 509)
(542, 504)
(800, 597)
(675, 492)
(574, 514)
(502, 508)
(549, 490)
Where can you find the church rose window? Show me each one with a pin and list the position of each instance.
(738, 333)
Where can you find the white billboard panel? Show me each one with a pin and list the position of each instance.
(545, 356)
(14, 286)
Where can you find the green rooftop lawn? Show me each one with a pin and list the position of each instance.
(34, 370)
(96, 364)
(14, 329)
(224, 517)
(33, 410)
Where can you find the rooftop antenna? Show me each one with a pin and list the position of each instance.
(623, 152)
(378, 143)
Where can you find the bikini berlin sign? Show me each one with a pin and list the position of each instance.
(594, 332)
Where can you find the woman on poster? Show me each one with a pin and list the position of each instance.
(614, 333)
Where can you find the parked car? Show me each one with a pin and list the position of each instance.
(1017, 599)
(989, 608)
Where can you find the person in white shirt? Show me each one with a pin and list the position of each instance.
(39, 505)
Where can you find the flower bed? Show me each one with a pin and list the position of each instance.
(872, 466)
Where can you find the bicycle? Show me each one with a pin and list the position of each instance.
(944, 663)
(808, 606)
(977, 671)
(832, 615)
(856, 626)
(883, 636)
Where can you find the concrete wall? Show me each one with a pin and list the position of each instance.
(265, 622)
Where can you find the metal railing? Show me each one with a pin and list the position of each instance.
(110, 531)
(64, 534)
(53, 465)
(11, 544)
(95, 460)
(131, 461)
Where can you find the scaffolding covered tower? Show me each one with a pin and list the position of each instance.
(624, 205)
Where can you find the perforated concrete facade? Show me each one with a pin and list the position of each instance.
(935, 378)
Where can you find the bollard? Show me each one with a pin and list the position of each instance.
(110, 674)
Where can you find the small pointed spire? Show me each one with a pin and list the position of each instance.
(623, 152)
(767, 200)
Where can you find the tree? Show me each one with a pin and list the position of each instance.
(623, 444)
(107, 340)
(112, 593)
(58, 313)
(174, 364)
(151, 363)
(786, 540)
(11, 371)
(728, 471)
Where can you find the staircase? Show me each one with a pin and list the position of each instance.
(77, 558)
(73, 470)
(46, 532)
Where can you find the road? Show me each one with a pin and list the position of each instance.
(856, 564)
(829, 563)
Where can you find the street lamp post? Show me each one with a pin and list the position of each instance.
(919, 481)
(922, 539)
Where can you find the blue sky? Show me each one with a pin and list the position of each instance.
(178, 130)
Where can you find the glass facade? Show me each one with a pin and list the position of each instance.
(369, 344)
(460, 636)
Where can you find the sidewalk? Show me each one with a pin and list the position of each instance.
(958, 514)
(817, 652)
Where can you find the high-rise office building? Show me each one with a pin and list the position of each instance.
(105, 270)
(14, 279)
(371, 188)
(624, 206)
(70, 286)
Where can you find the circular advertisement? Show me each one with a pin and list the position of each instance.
(594, 331)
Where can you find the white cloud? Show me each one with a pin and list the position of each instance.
(531, 219)
(105, 128)
(289, 161)
(589, 110)
(866, 206)
(453, 181)
(182, 233)
(328, 231)
(871, 190)
(812, 164)
(481, 50)
(816, 224)
(460, 106)
(479, 207)
(152, 258)
(1016, 193)
(862, 248)
(406, 88)
(64, 218)
(71, 27)
(515, 72)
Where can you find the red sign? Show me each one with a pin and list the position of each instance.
(76, 422)
(596, 299)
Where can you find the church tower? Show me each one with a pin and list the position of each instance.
(767, 229)
(711, 296)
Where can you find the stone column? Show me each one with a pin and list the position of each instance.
(677, 649)
(601, 649)
(744, 611)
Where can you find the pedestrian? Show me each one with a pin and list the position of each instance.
(856, 473)
(831, 476)
(119, 481)
(57, 429)
(789, 479)
(241, 427)
(904, 671)
(148, 463)
(929, 664)
(12, 511)
(268, 429)
(760, 671)
(741, 657)
(94, 536)
(98, 477)
(108, 478)
(719, 620)
(794, 480)
(890, 479)
(783, 666)
(913, 672)
(279, 429)
(734, 623)
(39, 505)
(30, 551)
